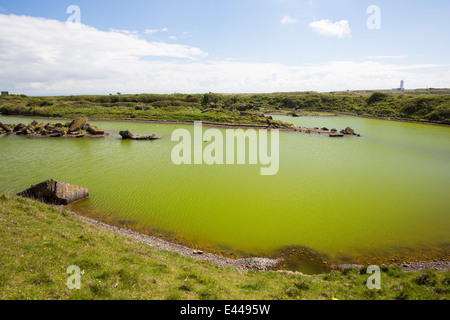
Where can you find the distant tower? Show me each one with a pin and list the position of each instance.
(402, 87)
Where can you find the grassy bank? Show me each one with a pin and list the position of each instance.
(431, 105)
(39, 242)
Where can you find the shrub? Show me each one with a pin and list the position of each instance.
(377, 97)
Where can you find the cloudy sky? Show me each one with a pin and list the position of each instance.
(194, 46)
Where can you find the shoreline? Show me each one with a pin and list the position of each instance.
(230, 125)
(206, 124)
(250, 263)
(246, 263)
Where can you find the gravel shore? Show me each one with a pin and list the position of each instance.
(253, 263)
(160, 244)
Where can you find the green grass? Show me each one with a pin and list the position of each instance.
(39, 242)
(432, 105)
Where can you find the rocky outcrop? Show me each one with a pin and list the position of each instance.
(76, 128)
(128, 135)
(55, 192)
(77, 124)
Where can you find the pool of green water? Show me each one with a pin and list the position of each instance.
(382, 195)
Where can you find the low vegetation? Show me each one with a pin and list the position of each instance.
(39, 242)
(431, 105)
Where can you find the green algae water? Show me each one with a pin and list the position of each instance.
(384, 195)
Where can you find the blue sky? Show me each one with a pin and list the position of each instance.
(226, 46)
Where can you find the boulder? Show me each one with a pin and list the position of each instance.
(77, 124)
(336, 134)
(348, 130)
(34, 123)
(128, 135)
(40, 125)
(55, 192)
(6, 128)
(20, 127)
(94, 130)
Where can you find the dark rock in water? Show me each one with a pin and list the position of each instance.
(77, 124)
(94, 130)
(333, 130)
(55, 192)
(20, 127)
(325, 129)
(34, 123)
(6, 128)
(295, 115)
(128, 135)
(25, 130)
(348, 130)
(336, 134)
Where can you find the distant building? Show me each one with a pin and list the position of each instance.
(5, 93)
(402, 87)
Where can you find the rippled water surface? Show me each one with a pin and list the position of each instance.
(385, 193)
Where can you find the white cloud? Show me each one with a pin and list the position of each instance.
(45, 57)
(127, 32)
(288, 20)
(387, 57)
(152, 31)
(340, 29)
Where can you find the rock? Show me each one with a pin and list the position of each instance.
(34, 123)
(77, 124)
(336, 134)
(128, 135)
(295, 115)
(19, 127)
(24, 130)
(94, 130)
(348, 130)
(40, 125)
(333, 130)
(55, 192)
(5, 127)
(57, 133)
(325, 129)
